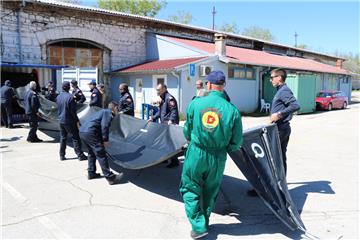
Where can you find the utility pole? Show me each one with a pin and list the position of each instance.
(296, 35)
(213, 13)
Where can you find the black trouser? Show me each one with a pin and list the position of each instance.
(34, 123)
(74, 131)
(6, 112)
(96, 149)
(284, 135)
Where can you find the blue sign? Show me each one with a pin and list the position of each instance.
(192, 70)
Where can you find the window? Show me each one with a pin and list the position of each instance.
(243, 72)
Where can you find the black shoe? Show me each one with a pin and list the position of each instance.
(35, 140)
(82, 157)
(252, 193)
(11, 126)
(62, 158)
(115, 179)
(173, 164)
(93, 175)
(38, 140)
(195, 235)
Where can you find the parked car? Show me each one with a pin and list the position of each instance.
(329, 100)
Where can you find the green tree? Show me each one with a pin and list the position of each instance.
(147, 8)
(303, 46)
(181, 17)
(230, 27)
(258, 32)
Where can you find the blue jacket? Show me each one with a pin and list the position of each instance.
(32, 103)
(95, 98)
(7, 93)
(78, 95)
(66, 108)
(168, 109)
(284, 103)
(97, 125)
(126, 104)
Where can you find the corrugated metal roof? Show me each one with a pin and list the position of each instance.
(261, 58)
(116, 13)
(160, 65)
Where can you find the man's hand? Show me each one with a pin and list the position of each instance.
(78, 125)
(275, 117)
(106, 144)
(39, 114)
(150, 119)
(169, 122)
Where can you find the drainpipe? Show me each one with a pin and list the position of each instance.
(179, 87)
(18, 34)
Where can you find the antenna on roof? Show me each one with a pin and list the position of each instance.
(296, 35)
(213, 13)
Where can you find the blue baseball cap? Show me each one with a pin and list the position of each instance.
(216, 77)
(66, 85)
(93, 82)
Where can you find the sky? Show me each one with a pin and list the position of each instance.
(323, 26)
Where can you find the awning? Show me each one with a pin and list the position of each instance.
(22, 65)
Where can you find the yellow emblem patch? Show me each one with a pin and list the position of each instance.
(210, 119)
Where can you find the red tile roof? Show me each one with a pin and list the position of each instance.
(160, 65)
(261, 58)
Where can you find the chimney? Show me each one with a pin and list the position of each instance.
(339, 63)
(220, 46)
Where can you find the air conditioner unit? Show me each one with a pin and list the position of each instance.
(205, 70)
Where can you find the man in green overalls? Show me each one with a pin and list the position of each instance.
(213, 127)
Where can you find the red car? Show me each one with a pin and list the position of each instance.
(329, 100)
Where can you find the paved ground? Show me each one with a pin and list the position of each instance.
(45, 198)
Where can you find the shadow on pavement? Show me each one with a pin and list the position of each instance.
(251, 216)
(12, 139)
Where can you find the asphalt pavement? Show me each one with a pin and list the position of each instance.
(43, 197)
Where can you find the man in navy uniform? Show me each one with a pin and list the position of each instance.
(77, 93)
(168, 114)
(94, 131)
(126, 102)
(7, 95)
(51, 93)
(69, 122)
(95, 100)
(32, 105)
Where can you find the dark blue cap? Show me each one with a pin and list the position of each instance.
(216, 77)
(73, 82)
(65, 85)
(93, 82)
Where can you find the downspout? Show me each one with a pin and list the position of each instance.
(18, 30)
(179, 87)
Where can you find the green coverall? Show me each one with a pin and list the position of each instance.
(213, 127)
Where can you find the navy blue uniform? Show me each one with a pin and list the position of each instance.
(7, 95)
(78, 95)
(51, 95)
(68, 120)
(94, 132)
(95, 98)
(126, 104)
(168, 110)
(32, 105)
(285, 104)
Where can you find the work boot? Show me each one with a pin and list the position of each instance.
(62, 158)
(173, 163)
(195, 235)
(252, 193)
(115, 178)
(82, 157)
(93, 175)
